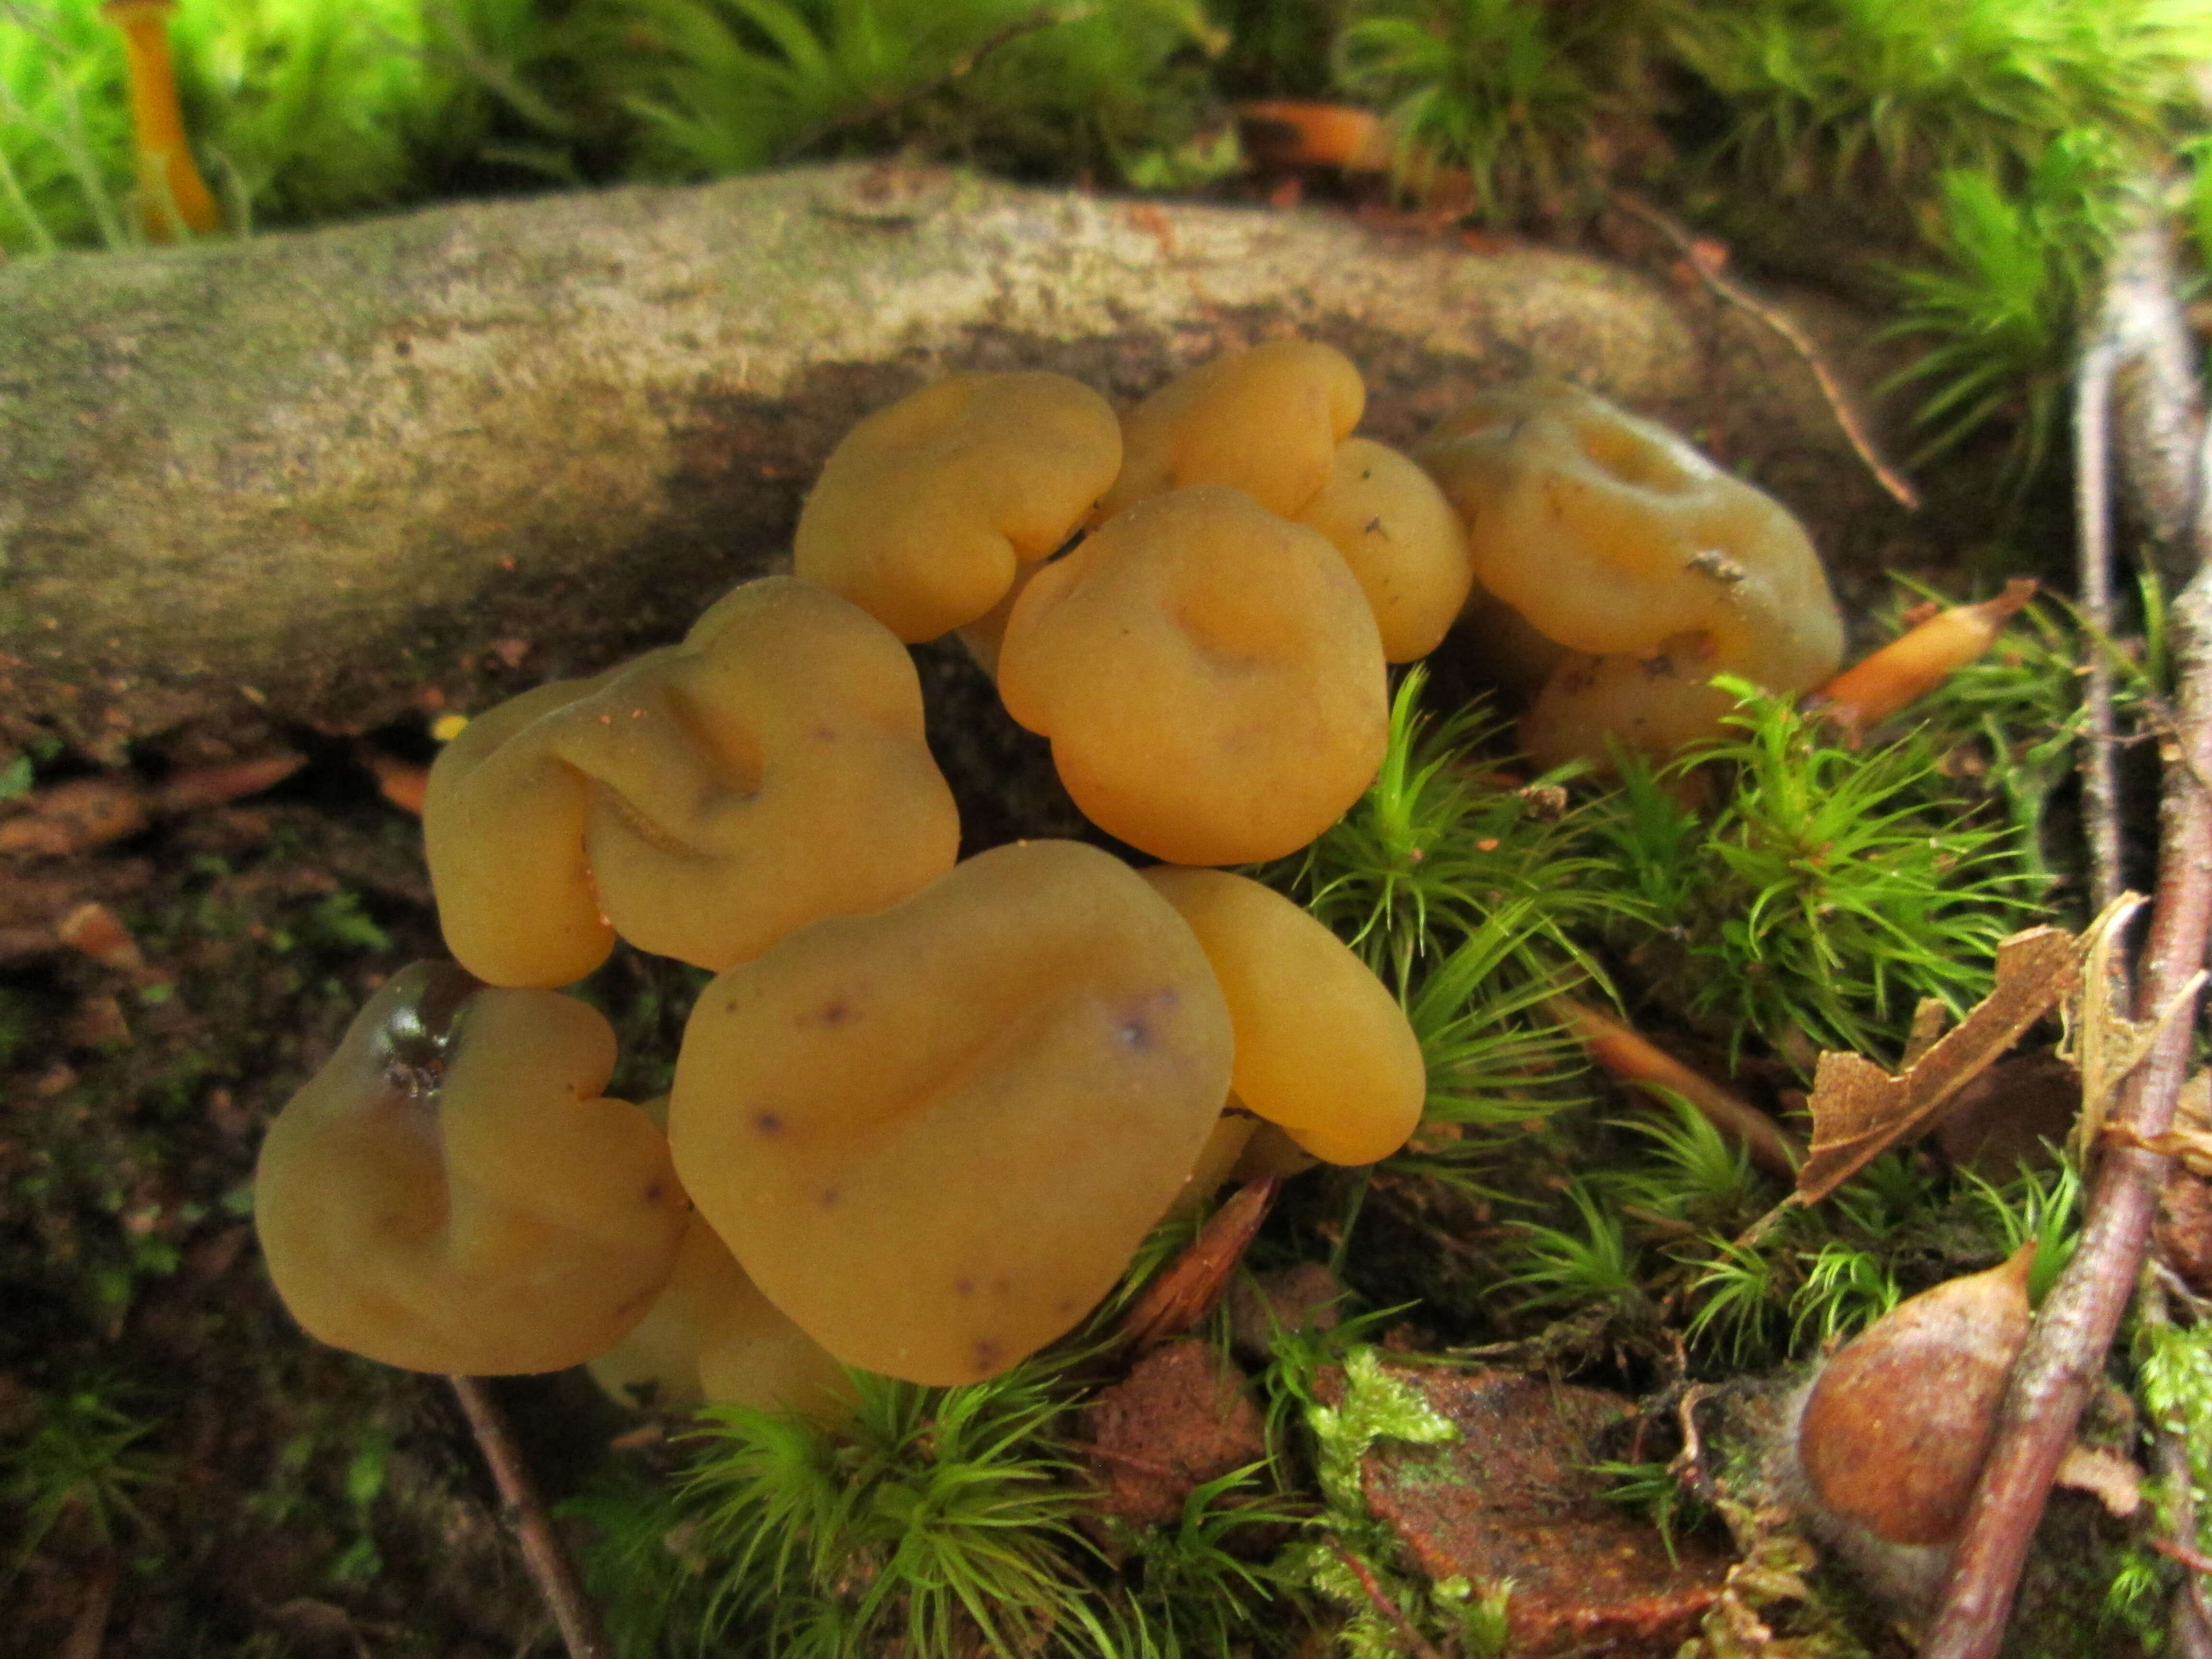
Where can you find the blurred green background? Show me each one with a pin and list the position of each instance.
(1961, 166)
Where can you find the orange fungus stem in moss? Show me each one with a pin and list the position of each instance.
(173, 197)
(1918, 660)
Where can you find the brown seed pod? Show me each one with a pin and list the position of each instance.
(1896, 1429)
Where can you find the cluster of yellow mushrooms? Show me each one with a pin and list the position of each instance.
(927, 1109)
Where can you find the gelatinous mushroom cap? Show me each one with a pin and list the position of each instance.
(452, 1193)
(702, 802)
(1613, 536)
(1323, 1051)
(1402, 540)
(1210, 675)
(934, 1136)
(1654, 702)
(1267, 421)
(711, 1335)
(923, 510)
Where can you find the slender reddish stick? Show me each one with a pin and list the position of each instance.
(581, 1632)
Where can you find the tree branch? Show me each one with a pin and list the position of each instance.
(2066, 1350)
(581, 1632)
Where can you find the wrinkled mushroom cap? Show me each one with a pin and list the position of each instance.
(934, 1136)
(1210, 675)
(1323, 1051)
(1613, 537)
(923, 510)
(452, 1193)
(1654, 702)
(1402, 540)
(702, 802)
(1267, 421)
(712, 1336)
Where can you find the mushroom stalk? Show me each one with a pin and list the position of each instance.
(1642, 1064)
(173, 197)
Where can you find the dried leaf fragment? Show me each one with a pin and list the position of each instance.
(1183, 1295)
(1640, 1063)
(1860, 1111)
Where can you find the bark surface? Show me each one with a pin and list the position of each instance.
(323, 478)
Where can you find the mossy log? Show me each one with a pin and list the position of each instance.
(330, 476)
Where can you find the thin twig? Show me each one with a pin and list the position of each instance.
(548, 1562)
(1419, 1643)
(966, 63)
(2065, 1352)
(1832, 387)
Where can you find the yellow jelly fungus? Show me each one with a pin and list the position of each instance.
(1266, 421)
(934, 1136)
(1210, 675)
(452, 1192)
(702, 802)
(1651, 566)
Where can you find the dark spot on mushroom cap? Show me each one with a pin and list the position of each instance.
(768, 1123)
(987, 1351)
(830, 1197)
(964, 1285)
(655, 1191)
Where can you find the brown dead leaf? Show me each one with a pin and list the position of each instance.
(99, 932)
(403, 783)
(1860, 1111)
(1929, 1020)
(212, 786)
(2111, 1479)
(1186, 1291)
(85, 813)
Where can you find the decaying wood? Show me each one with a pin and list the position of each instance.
(2073, 1332)
(337, 476)
(1860, 1111)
